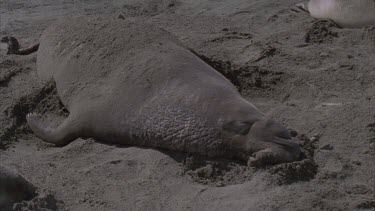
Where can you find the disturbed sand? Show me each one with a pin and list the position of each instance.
(316, 79)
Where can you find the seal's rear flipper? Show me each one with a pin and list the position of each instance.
(14, 46)
(69, 130)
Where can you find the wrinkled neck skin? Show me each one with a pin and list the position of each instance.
(170, 122)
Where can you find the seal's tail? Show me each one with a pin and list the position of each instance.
(14, 46)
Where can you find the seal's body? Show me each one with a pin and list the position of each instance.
(135, 84)
(345, 13)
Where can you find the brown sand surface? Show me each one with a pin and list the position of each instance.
(316, 79)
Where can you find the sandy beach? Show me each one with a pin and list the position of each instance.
(311, 76)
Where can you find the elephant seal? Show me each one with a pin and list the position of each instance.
(132, 83)
(14, 188)
(345, 13)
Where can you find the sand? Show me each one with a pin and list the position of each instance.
(315, 78)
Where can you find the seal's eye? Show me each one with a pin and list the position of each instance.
(237, 127)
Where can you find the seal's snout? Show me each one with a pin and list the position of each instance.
(276, 144)
(280, 151)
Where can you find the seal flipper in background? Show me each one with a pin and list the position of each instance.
(14, 46)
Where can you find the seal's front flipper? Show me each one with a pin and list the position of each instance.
(69, 130)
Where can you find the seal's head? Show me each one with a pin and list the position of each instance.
(262, 142)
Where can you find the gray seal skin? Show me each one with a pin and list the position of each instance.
(345, 13)
(14, 188)
(133, 83)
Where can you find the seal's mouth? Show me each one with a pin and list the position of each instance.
(261, 158)
(284, 151)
